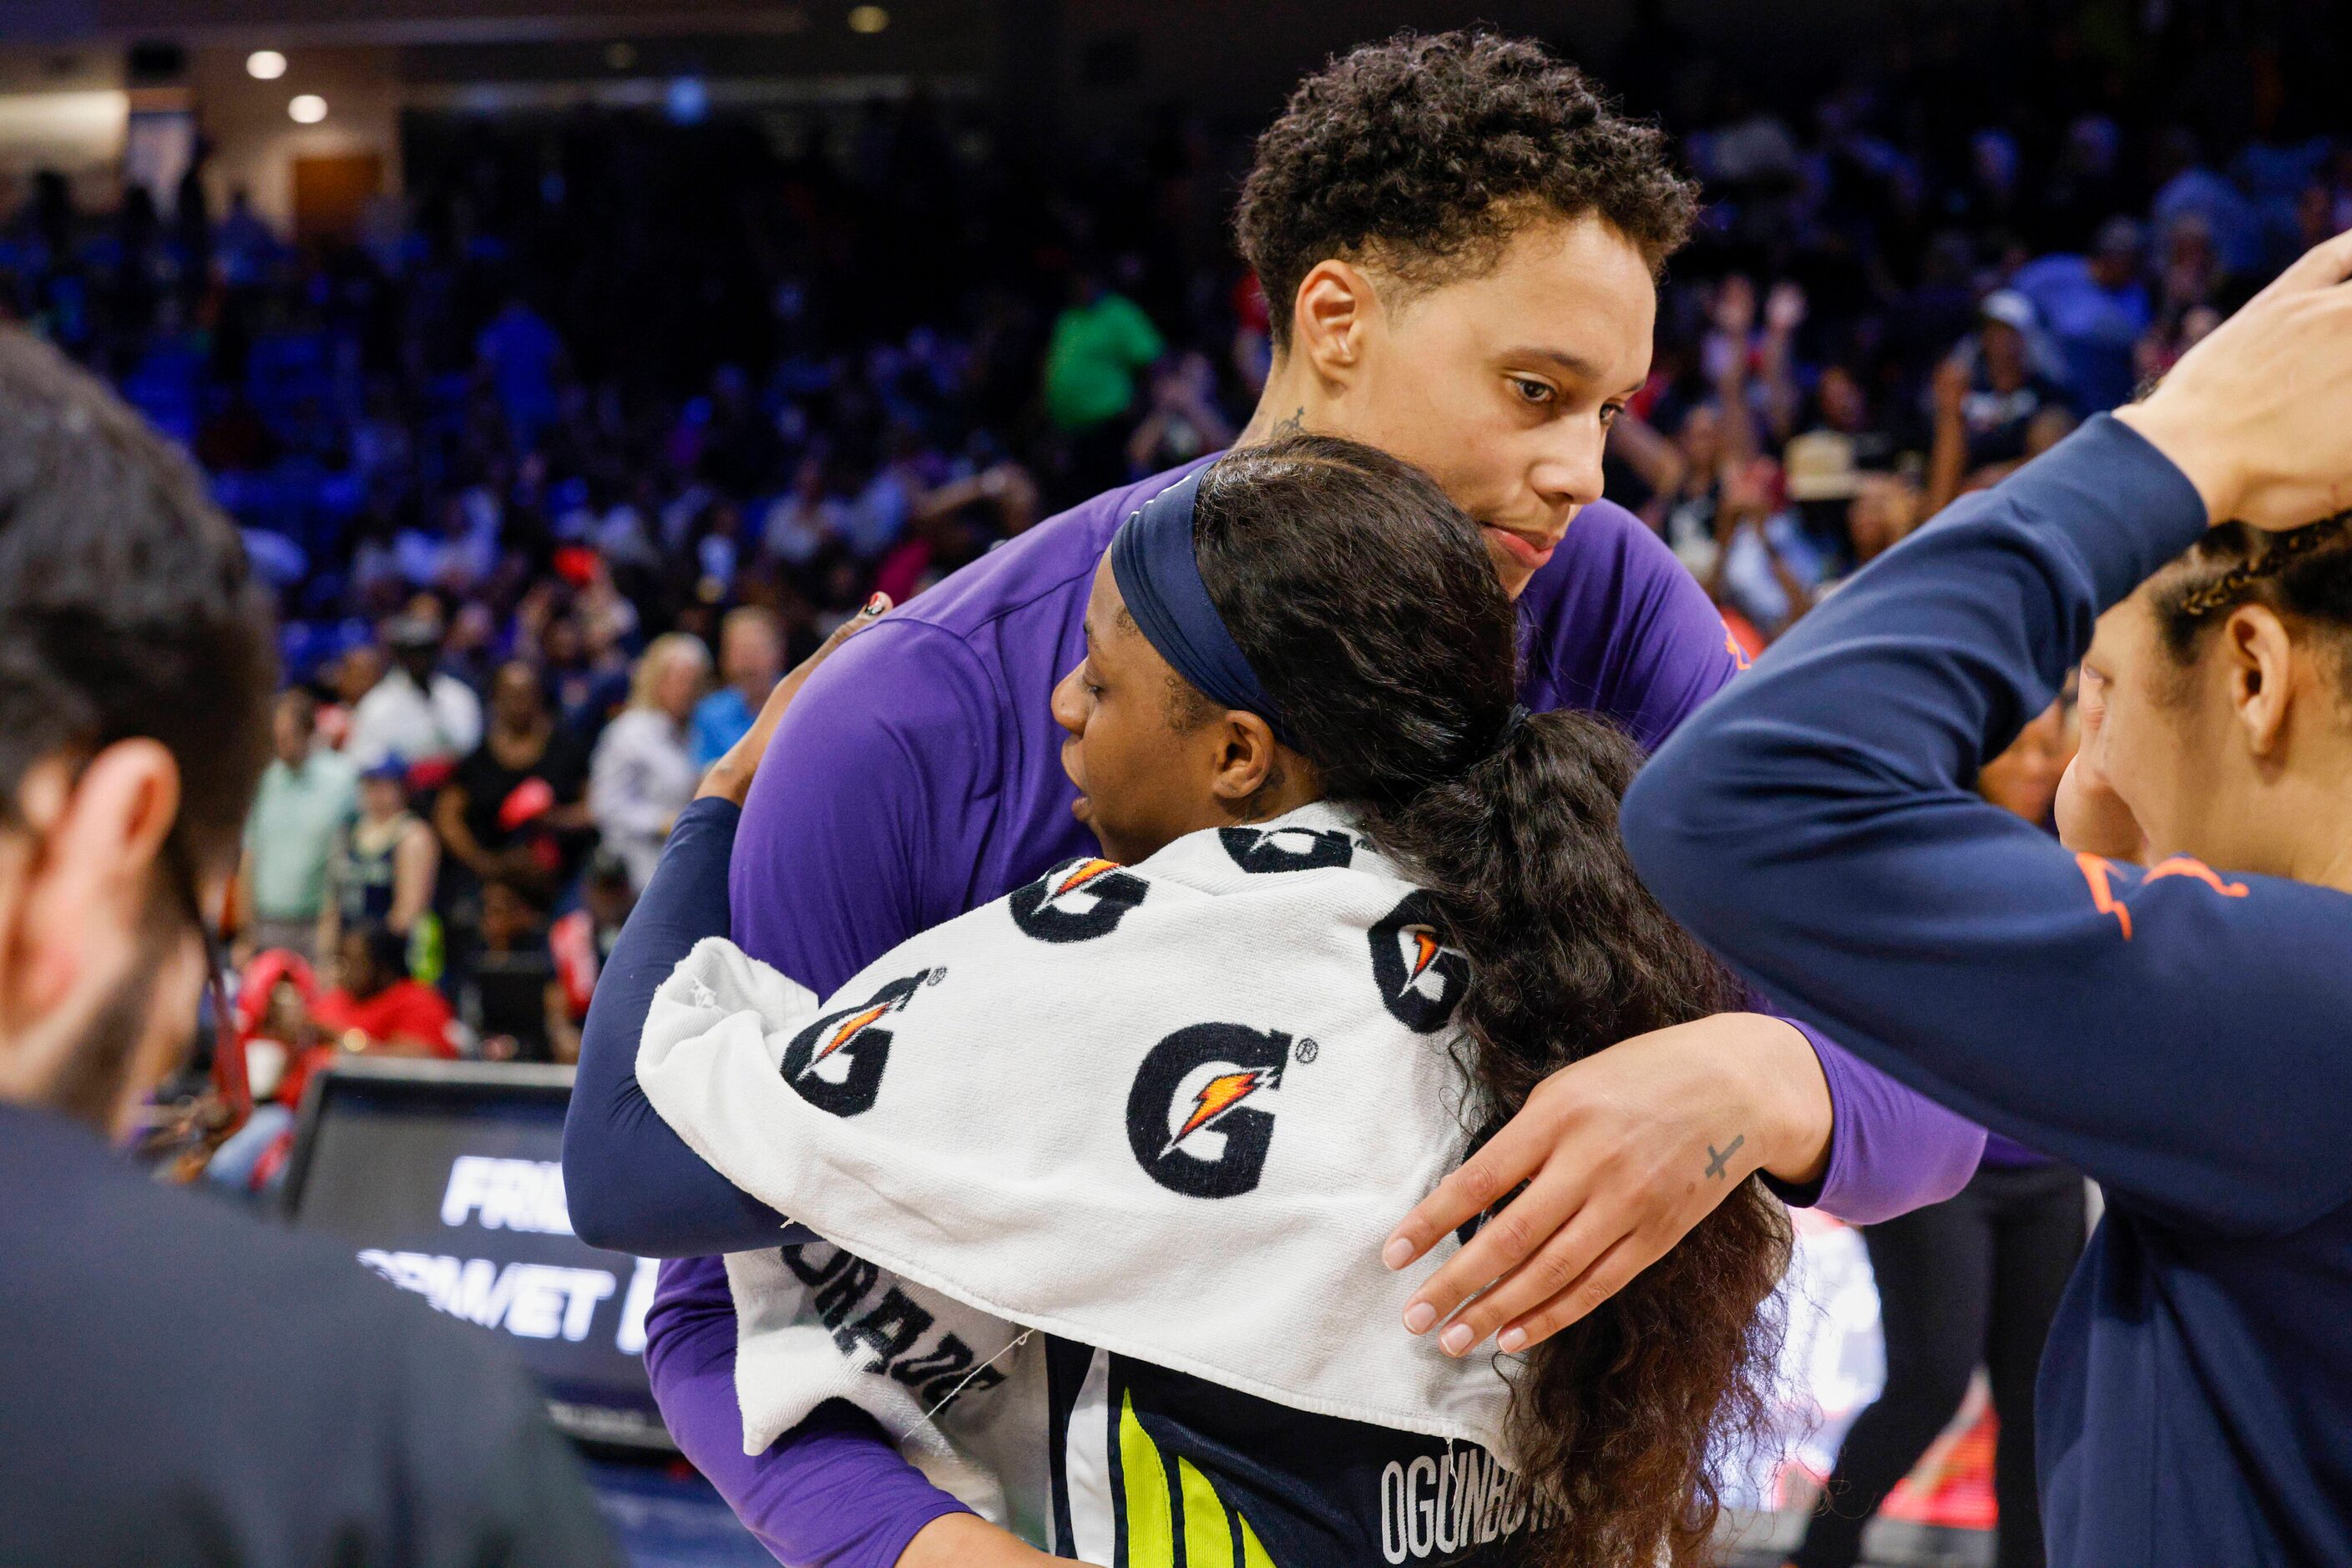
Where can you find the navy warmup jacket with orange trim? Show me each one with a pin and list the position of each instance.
(2182, 1033)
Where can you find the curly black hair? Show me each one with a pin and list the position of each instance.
(1365, 600)
(1425, 153)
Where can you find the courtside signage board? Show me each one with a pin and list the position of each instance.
(447, 1179)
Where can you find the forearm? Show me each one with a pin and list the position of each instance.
(1799, 592)
(1658, 460)
(632, 1184)
(1948, 455)
(1755, 820)
(1739, 443)
(1818, 827)
(947, 497)
(413, 871)
(1780, 395)
(1832, 1133)
(1727, 529)
(832, 1493)
(848, 813)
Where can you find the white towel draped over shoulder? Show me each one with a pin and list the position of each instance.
(1170, 1110)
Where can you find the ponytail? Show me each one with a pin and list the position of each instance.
(1617, 1416)
(1367, 603)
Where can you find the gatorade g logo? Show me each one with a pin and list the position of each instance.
(1286, 848)
(1077, 900)
(836, 1064)
(1195, 1117)
(1421, 981)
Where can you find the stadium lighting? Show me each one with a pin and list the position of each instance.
(308, 109)
(687, 100)
(868, 19)
(265, 65)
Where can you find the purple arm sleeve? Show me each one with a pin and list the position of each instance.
(865, 807)
(1891, 1149)
(831, 1493)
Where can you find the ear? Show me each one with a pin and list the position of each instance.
(73, 903)
(1246, 759)
(88, 880)
(2258, 657)
(1334, 314)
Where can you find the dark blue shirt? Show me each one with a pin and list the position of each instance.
(2183, 1035)
(184, 1386)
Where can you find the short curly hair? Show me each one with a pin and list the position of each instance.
(1425, 153)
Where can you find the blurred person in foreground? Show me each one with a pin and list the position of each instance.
(1975, 1279)
(183, 1385)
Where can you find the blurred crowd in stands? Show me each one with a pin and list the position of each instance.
(563, 457)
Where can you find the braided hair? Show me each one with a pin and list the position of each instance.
(2304, 573)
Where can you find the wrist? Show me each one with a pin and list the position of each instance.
(726, 781)
(2192, 446)
(1793, 1094)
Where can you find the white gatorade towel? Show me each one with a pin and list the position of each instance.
(1170, 1110)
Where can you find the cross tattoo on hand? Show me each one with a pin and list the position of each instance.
(1715, 1162)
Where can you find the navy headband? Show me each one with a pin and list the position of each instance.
(1159, 575)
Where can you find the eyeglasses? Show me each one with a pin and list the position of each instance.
(180, 864)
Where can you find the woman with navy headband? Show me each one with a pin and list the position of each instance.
(1297, 737)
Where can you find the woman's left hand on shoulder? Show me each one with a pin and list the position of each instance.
(1620, 1154)
(730, 778)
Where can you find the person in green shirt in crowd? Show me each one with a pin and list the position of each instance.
(306, 796)
(1100, 341)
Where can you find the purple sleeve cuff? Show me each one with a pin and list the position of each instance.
(831, 1493)
(1890, 1150)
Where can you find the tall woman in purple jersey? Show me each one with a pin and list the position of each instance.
(1461, 240)
(1309, 623)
